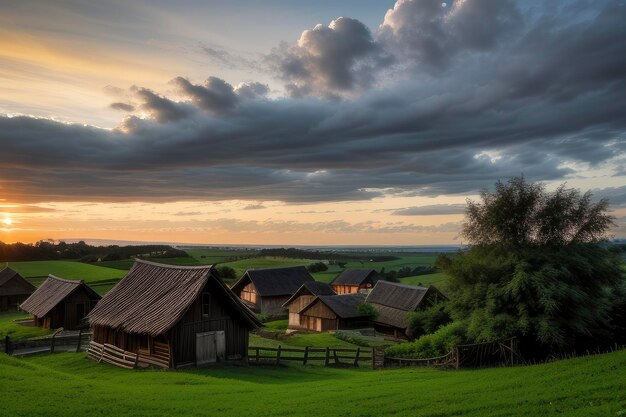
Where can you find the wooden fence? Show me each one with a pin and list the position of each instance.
(125, 359)
(74, 342)
(477, 355)
(329, 356)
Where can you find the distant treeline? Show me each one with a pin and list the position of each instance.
(406, 271)
(331, 256)
(45, 250)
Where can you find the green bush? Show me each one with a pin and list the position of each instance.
(317, 267)
(351, 337)
(431, 345)
(428, 320)
(226, 272)
(368, 310)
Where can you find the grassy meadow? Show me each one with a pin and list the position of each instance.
(17, 331)
(37, 271)
(68, 384)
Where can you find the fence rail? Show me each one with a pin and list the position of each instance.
(56, 343)
(330, 356)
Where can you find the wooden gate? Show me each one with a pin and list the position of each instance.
(210, 347)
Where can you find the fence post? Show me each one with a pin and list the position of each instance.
(335, 355)
(306, 355)
(356, 358)
(52, 343)
(327, 358)
(7, 345)
(80, 335)
(278, 356)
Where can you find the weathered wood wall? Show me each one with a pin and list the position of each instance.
(66, 314)
(295, 307)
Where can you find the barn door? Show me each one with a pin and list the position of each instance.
(206, 351)
(220, 345)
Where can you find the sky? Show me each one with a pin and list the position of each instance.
(353, 122)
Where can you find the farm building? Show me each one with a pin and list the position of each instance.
(266, 290)
(302, 298)
(333, 312)
(352, 281)
(14, 289)
(393, 302)
(60, 302)
(173, 316)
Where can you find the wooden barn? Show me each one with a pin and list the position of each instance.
(173, 316)
(302, 298)
(394, 301)
(266, 290)
(14, 289)
(60, 302)
(333, 312)
(352, 281)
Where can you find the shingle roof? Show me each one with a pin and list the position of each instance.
(153, 297)
(6, 275)
(312, 288)
(345, 306)
(353, 276)
(393, 301)
(52, 292)
(275, 281)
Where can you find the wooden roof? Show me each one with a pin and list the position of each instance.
(153, 297)
(311, 288)
(275, 281)
(52, 292)
(354, 277)
(393, 301)
(7, 274)
(345, 306)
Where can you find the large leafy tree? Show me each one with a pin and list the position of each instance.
(538, 267)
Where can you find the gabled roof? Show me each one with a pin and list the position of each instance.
(275, 281)
(354, 277)
(311, 288)
(345, 306)
(7, 274)
(153, 297)
(52, 292)
(393, 301)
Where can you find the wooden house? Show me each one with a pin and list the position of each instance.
(394, 301)
(14, 289)
(173, 316)
(60, 302)
(302, 298)
(333, 312)
(266, 290)
(352, 281)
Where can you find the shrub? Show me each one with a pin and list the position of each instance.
(431, 345)
(226, 272)
(317, 267)
(428, 320)
(351, 337)
(368, 310)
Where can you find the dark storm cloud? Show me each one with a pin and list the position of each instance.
(431, 210)
(541, 99)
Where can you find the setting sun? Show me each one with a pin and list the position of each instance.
(7, 221)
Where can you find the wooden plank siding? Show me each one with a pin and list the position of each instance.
(319, 318)
(69, 313)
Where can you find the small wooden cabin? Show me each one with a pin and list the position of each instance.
(266, 290)
(302, 298)
(394, 301)
(173, 316)
(14, 289)
(352, 281)
(60, 302)
(333, 312)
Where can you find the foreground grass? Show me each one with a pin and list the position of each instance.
(37, 271)
(16, 331)
(69, 384)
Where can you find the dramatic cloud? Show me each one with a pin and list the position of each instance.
(328, 60)
(254, 207)
(538, 92)
(431, 210)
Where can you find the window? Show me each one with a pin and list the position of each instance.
(206, 304)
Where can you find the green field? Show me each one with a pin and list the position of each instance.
(425, 280)
(69, 384)
(37, 271)
(16, 331)
(214, 256)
